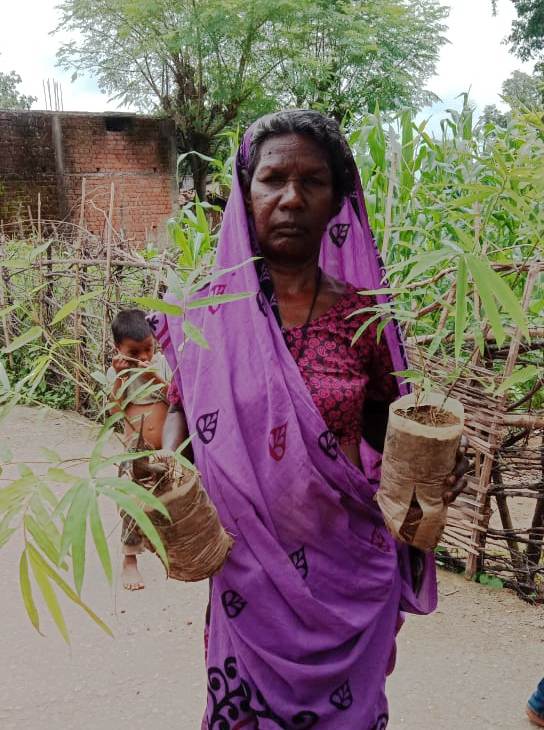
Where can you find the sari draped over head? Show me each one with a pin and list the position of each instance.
(305, 611)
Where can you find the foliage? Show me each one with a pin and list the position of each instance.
(520, 91)
(523, 90)
(10, 97)
(209, 64)
(354, 55)
(450, 216)
(527, 37)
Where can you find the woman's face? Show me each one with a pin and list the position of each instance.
(291, 198)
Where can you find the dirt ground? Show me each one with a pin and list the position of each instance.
(470, 666)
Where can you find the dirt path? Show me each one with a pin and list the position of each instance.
(469, 666)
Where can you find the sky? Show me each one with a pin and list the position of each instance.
(475, 57)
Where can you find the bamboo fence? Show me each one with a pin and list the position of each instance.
(43, 265)
(496, 527)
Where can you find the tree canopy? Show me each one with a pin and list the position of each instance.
(209, 64)
(10, 98)
(527, 37)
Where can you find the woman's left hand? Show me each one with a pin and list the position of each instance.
(457, 482)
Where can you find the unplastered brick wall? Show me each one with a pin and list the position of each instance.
(50, 153)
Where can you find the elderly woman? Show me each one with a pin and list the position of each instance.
(289, 418)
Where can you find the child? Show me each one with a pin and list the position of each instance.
(142, 399)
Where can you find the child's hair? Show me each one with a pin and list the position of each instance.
(130, 323)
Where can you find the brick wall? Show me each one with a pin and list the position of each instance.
(50, 153)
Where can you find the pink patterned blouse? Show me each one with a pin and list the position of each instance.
(339, 376)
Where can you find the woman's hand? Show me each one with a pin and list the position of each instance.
(457, 481)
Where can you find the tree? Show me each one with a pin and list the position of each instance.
(10, 98)
(522, 89)
(354, 55)
(209, 64)
(527, 37)
(519, 91)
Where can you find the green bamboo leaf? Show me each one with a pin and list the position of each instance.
(15, 492)
(133, 489)
(364, 327)
(118, 458)
(141, 519)
(460, 306)
(216, 300)
(66, 500)
(58, 475)
(48, 593)
(51, 455)
(99, 537)
(518, 377)
(77, 511)
(26, 592)
(72, 595)
(508, 300)
(428, 261)
(159, 305)
(482, 285)
(5, 533)
(74, 304)
(5, 385)
(5, 454)
(42, 539)
(29, 336)
(75, 532)
(195, 334)
(96, 458)
(47, 495)
(38, 250)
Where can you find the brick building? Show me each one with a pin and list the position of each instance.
(50, 152)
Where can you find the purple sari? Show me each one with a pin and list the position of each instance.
(305, 612)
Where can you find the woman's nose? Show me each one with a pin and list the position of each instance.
(292, 196)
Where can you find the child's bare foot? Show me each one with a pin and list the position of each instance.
(132, 580)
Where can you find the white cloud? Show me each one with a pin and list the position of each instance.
(474, 58)
(27, 47)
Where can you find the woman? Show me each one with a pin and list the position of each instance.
(289, 421)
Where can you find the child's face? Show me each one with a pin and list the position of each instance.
(142, 350)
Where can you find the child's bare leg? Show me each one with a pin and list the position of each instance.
(132, 578)
(132, 547)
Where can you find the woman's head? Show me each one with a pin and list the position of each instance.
(298, 172)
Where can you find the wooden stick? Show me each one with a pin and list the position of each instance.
(77, 292)
(4, 303)
(109, 233)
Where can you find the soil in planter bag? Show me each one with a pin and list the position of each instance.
(417, 461)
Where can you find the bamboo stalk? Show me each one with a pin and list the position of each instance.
(389, 206)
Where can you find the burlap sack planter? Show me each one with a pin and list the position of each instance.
(196, 543)
(417, 460)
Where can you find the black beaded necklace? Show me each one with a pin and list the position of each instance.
(306, 325)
